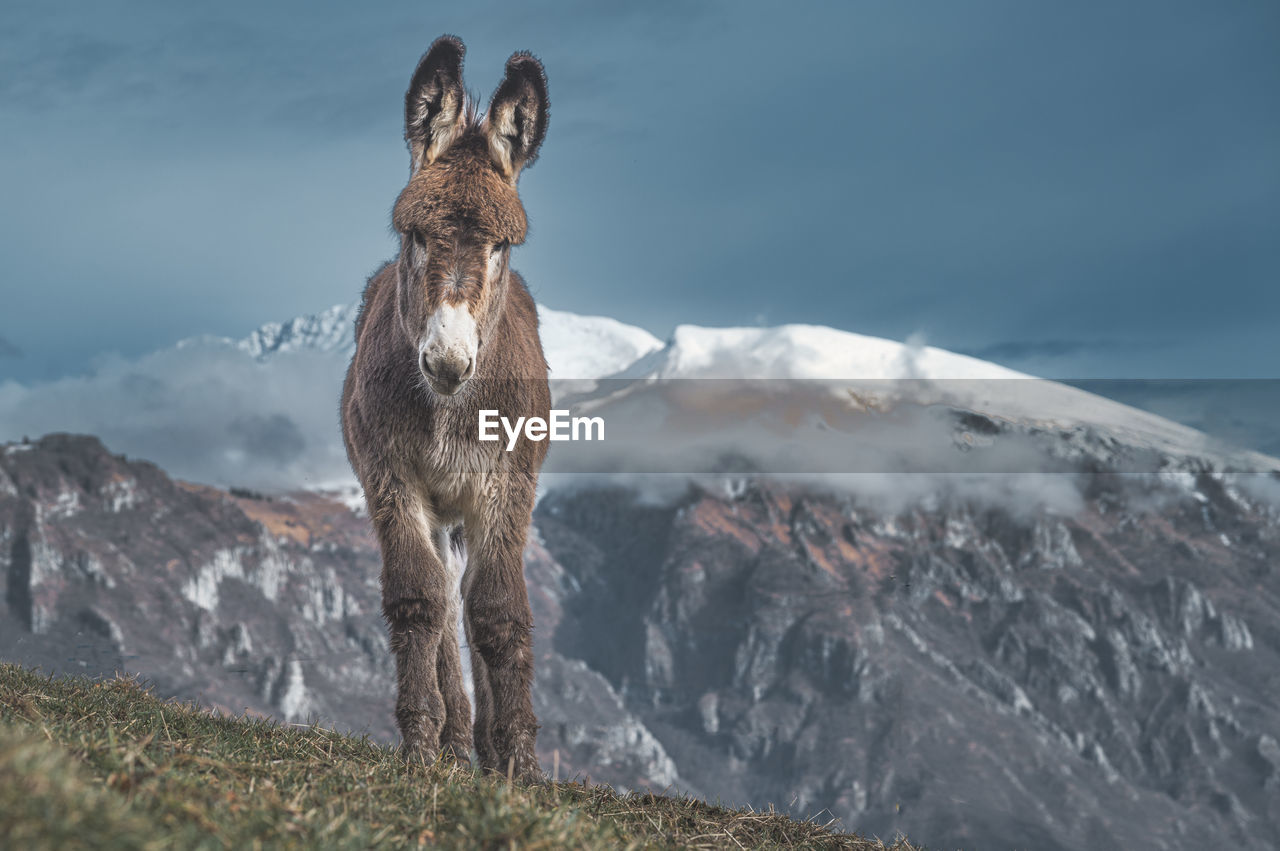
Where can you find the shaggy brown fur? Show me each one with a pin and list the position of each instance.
(435, 490)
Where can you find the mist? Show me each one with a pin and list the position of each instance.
(203, 412)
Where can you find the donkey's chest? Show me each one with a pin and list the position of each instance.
(455, 469)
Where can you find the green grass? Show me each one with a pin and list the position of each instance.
(105, 764)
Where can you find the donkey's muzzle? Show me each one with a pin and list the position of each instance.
(446, 375)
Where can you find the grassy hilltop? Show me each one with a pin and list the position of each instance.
(105, 764)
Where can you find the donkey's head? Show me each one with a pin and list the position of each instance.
(461, 213)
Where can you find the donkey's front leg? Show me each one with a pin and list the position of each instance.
(414, 602)
(499, 629)
(455, 735)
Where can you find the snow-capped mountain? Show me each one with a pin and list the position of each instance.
(592, 347)
(261, 411)
(804, 352)
(584, 347)
(576, 346)
(330, 330)
(877, 390)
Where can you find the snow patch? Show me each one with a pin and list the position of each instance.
(589, 347)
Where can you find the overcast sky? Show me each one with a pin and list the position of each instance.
(1074, 189)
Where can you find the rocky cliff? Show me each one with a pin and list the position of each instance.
(978, 678)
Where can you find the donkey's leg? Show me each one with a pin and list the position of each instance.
(414, 602)
(484, 707)
(500, 629)
(455, 735)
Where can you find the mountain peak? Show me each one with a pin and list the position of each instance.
(576, 346)
(814, 352)
(328, 330)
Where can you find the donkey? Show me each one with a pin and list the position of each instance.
(446, 330)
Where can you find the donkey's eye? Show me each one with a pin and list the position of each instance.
(501, 246)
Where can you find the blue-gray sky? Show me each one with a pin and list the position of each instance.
(1075, 189)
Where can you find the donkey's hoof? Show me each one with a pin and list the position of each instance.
(417, 754)
(521, 767)
(530, 777)
(459, 755)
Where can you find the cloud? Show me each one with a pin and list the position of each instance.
(892, 452)
(274, 439)
(9, 350)
(1263, 487)
(206, 412)
(209, 412)
(1022, 496)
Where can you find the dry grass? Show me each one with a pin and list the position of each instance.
(104, 764)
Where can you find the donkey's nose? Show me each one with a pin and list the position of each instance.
(446, 375)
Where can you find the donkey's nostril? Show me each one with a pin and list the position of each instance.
(425, 363)
(470, 370)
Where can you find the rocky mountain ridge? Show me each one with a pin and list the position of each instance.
(1101, 680)
(974, 675)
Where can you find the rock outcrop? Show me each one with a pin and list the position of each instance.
(971, 676)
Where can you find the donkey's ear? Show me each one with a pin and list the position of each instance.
(435, 105)
(518, 115)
